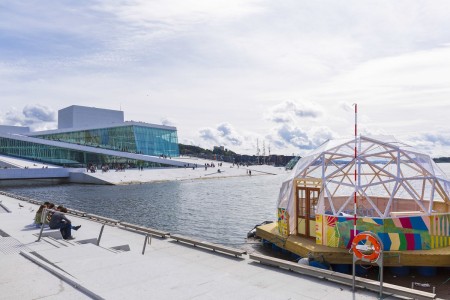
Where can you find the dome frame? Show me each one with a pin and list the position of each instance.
(392, 179)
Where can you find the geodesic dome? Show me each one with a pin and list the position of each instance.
(392, 179)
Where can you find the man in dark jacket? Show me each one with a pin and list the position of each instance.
(59, 221)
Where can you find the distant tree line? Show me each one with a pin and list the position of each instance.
(442, 160)
(223, 154)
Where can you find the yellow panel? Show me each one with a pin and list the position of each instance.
(312, 228)
(319, 229)
(301, 226)
(332, 239)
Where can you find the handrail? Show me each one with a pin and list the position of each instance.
(208, 245)
(100, 218)
(342, 278)
(43, 218)
(148, 239)
(100, 235)
(152, 231)
(76, 212)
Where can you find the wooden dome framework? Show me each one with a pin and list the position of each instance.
(392, 179)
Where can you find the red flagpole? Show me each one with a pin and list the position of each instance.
(356, 170)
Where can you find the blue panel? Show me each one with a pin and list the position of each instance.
(417, 241)
(385, 239)
(417, 223)
(378, 221)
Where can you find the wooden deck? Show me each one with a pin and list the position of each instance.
(439, 257)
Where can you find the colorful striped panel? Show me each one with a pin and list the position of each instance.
(397, 222)
(418, 223)
(349, 242)
(331, 221)
(399, 241)
(395, 241)
(403, 241)
(378, 221)
(440, 225)
(440, 241)
(386, 241)
(417, 241)
(344, 219)
(413, 241)
(372, 221)
(406, 223)
(332, 237)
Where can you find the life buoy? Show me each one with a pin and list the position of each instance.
(369, 238)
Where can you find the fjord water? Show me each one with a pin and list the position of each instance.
(216, 210)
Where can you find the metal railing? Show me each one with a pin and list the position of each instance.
(342, 278)
(148, 239)
(148, 231)
(207, 245)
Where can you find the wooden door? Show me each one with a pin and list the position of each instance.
(307, 199)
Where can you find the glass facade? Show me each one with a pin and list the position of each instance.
(156, 141)
(65, 157)
(129, 138)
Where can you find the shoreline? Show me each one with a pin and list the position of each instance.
(194, 169)
(136, 176)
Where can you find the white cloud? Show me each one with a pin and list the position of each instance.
(167, 122)
(37, 117)
(210, 64)
(223, 135)
(289, 111)
(209, 135)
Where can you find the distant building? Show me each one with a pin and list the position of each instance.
(93, 136)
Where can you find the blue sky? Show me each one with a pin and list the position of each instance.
(231, 72)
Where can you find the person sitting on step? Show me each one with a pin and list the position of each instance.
(61, 222)
(38, 216)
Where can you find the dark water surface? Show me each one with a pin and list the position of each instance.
(216, 210)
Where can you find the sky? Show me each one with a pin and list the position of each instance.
(281, 75)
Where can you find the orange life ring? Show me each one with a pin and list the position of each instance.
(368, 237)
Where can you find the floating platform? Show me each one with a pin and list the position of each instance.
(303, 247)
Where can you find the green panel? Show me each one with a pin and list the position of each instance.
(403, 242)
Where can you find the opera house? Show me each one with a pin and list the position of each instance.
(93, 136)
